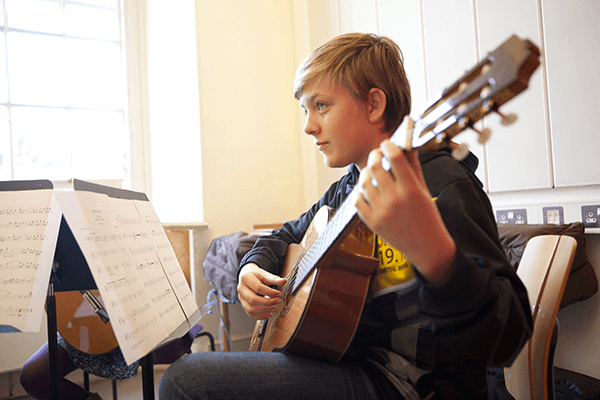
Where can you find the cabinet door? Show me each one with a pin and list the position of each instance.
(450, 50)
(572, 45)
(517, 156)
(401, 22)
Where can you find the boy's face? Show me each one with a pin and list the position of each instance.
(339, 124)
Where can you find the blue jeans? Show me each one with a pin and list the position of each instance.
(262, 375)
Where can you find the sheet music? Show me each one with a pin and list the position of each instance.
(167, 257)
(29, 224)
(135, 268)
(136, 323)
(142, 248)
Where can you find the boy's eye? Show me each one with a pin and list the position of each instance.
(321, 106)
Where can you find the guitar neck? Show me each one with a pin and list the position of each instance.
(344, 219)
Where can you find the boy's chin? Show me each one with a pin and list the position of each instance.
(334, 163)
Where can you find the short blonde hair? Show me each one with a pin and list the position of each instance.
(361, 62)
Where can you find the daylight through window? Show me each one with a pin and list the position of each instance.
(62, 91)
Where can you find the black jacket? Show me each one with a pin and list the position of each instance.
(446, 335)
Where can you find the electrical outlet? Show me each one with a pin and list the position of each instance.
(518, 216)
(590, 216)
(553, 215)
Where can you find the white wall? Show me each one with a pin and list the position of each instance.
(252, 170)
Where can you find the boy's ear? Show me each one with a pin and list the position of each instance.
(376, 102)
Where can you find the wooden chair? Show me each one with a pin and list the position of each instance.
(544, 269)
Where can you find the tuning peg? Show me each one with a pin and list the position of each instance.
(459, 151)
(507, 119)
(484, 134)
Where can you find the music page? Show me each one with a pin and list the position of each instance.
(167, 257)
(29, 224)
(142, 247)
(136, 323)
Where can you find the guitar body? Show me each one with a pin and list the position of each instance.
(319, 319)
(80, 326)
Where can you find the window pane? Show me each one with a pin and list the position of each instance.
(94, 74)
(99, 144)
(91, 22)
(35, 69)
(41, 143)
(104, 3)
(3, 87)
(5, 162)
(35, 15)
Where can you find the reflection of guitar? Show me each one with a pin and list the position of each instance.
(83, 322)
(328, 274)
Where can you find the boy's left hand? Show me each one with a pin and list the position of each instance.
(397, 205)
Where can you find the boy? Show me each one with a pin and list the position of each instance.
(430, 330)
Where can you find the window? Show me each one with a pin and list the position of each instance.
(77, 100)
(62, 91)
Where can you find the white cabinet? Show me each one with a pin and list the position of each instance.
(401, 22)
(553, 143)
(450, 50)
(518, 156)
(572, 45)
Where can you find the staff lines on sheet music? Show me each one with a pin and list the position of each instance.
(168, 310)
(146, 265)
(24, 210)
(16, 311)
(22, 238)
(6, 295)
(149, 283)
(25, 224)
(135, 333)
(108, 252)
(141, 250)
(18, 281)
(123, 282)
(103, 238)
(161, 296)
(9, 251)
(16, 264)
(136, 235)
(114, 269)
(124, 221)
(135, 296)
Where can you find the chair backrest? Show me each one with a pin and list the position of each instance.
(544, 269)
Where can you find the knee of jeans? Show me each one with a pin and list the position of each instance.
(170, 384)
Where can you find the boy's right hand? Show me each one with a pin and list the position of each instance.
(257, 296)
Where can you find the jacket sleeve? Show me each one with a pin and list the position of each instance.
(484, 291)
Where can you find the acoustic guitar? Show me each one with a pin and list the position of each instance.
(328, 273)
(83, 322)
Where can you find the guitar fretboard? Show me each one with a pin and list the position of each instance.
(339, 222)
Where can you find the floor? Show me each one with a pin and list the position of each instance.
(586, 385)
(127, 389)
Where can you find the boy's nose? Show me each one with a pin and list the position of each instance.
(310, 127)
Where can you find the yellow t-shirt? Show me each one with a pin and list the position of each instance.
(394, 273)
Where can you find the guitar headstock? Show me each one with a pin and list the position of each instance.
(502, 75)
